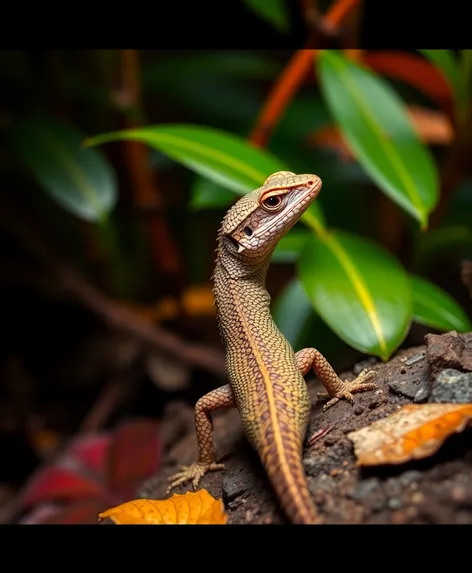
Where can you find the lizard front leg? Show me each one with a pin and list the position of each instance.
(214, 400)
(337, 388)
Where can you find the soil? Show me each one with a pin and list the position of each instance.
(437, 489)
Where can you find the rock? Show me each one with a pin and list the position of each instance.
(450, 350)
(234, 486)
(413, 378)
(421, 396)
(452, 386)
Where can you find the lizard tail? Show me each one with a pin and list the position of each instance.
(287, 476)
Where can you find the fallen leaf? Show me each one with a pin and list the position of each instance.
(413, 432)
(93, 472)
(181, 509)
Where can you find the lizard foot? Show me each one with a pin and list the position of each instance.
(193, 473)
(347, 390)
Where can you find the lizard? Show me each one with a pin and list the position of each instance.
(266, 376)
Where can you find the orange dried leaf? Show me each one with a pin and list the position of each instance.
(181, 509)
(413, 432)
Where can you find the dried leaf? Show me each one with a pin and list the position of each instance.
(413, 432)
(54, 483)
(93, 469)
(187, 509)
(135, 454)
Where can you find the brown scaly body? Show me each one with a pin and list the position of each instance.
(266, 381)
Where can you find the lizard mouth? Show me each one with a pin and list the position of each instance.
(240, 248)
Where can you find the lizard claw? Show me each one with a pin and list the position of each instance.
(193, 473)
(349, 388)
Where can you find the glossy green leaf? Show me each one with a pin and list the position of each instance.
(293, 312)
(375, 123)
(290, 246)
(434, 307)
(274, 12)
(79, 179)
(359, 289)
(224, 158)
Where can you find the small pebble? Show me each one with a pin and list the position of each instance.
(349, 429)
(330, 440)
(358, 410)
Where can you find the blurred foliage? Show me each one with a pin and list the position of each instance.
(362, 257)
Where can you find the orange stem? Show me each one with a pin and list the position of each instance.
(293, 76)
(285, 88)
(338, 13)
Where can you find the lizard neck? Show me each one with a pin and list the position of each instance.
(240, 287)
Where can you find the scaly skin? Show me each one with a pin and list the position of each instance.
(265, 375)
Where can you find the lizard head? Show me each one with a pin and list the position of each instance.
(254, 225)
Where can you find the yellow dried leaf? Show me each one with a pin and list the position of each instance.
(182, 509)
(413, 432)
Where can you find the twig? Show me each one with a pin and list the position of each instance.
(144, 186)
(294, 74)
(108, 401)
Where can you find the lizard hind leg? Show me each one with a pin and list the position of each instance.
(216, 399)
(337, 389)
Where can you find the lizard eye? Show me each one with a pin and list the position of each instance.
(272, 202)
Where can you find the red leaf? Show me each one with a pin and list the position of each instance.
(54, 483)
(92, 451)
(135, 455)
(85, 513)
(414, 70)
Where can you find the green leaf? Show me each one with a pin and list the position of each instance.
(272, 11)
(206, 194)
(359, 289)
(436, 308)
(292, 312)
(447, 63)
(79, 179)
(375, 123)
(290, 246)
(224, 158)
